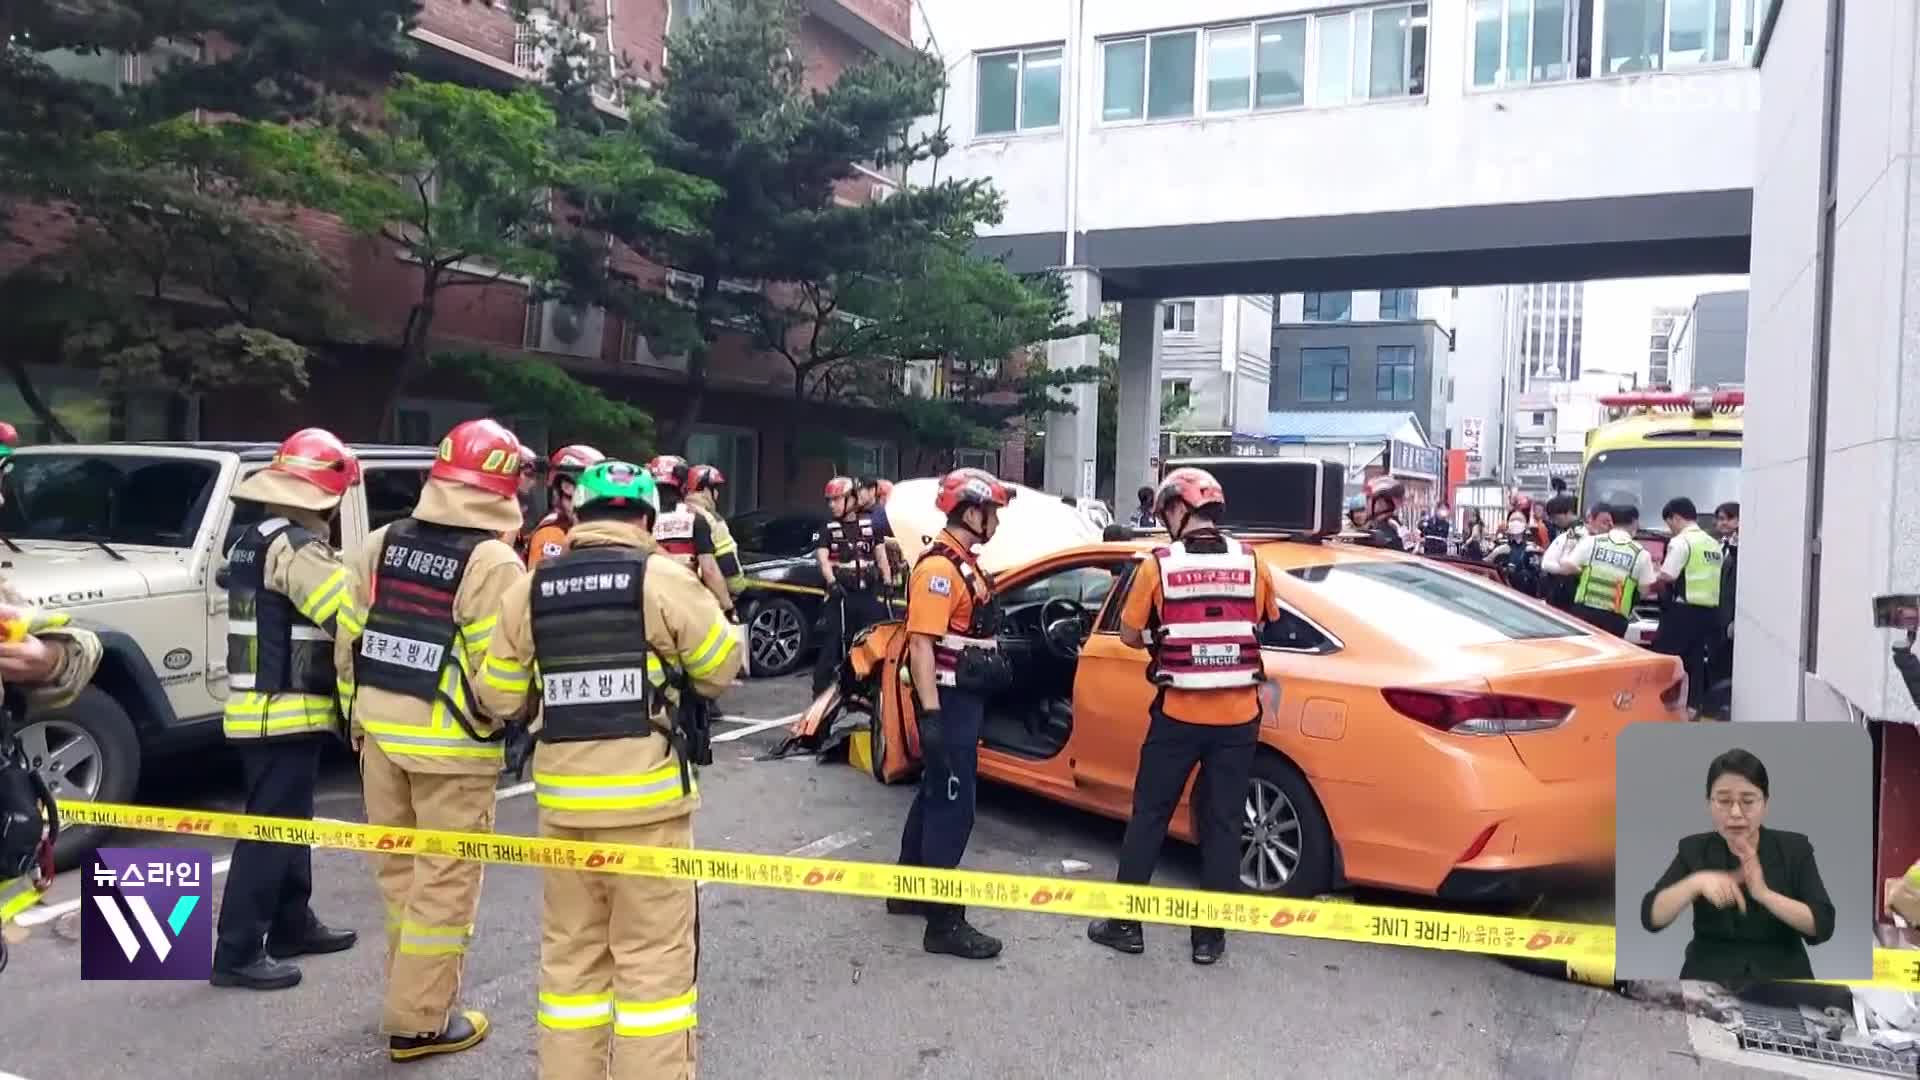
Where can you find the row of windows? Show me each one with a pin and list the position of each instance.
(1396, 305)
(1371, 53)
(1324, 373)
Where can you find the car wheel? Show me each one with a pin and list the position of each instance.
(776, 637)
(85, 751)
(1286, 848)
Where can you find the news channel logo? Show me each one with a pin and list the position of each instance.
(147, 914)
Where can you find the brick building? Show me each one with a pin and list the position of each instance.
(748, 427)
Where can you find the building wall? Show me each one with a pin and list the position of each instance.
(1363, 342)
(1679, 131)
(1713, 339)
(1869, 467)
(1479, 363)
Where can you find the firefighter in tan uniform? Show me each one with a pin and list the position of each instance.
(704, 484)
(53, 661)
(286, 587)
(604, 643)
(426, 597)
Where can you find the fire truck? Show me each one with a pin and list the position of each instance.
(1656, 446)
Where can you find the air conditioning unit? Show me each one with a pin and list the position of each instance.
(638, 350)
(570, 329)
(920, 378)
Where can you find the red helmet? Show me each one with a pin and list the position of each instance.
(706, 478)
(670, 470)
(1195, 487)
(1519, 501)
(317, 456)
(1386, 487)
(886, 488)
(839, 487)
(481, 454)
(970, 487)
(573, 460)
(9, 435)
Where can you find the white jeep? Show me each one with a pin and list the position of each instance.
(128, 538)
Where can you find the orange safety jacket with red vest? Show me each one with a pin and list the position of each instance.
(979, 631)
(1208, 637)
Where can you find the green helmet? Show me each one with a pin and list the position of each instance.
(619, 484)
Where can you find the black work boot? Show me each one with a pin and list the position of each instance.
(262, 972)
(949, 932)
(1120, 935)
(464, 1030)
(1209, 944)
(906, 907)
(316, 939)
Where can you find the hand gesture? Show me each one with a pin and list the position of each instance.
(29, 661)
(1749, 873)
(1721, 889)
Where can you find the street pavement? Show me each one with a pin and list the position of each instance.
(803, 985)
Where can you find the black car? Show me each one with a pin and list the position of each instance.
(784, 588)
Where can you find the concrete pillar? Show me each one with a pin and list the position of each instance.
(1137, 432)
(1073, 438)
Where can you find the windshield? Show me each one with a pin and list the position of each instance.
(1423, 604)
(121, 499)
(1649, 476)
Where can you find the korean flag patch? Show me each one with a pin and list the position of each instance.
(940, 586)
(550, 550)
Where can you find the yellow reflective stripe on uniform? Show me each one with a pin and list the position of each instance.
(712, 651)
(16, 896)
(419, 939)
(255, 715)
(506, 676)
(325, 600)
(424, 741)
(477, 635)
(575, 1012)
(641, 1019)
(635, 791)
(348, 621)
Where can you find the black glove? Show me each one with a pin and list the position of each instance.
(933, 745)
(519, 749)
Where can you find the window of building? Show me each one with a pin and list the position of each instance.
(1539, 419)
(1393, 373)
(1327, 306)
(1176, 395)
(1281, 64)
(1176, 316)
(1397, 304)
(1125, 80)
(977, 459)
(1699, 32)
(119, 70)
(1323, 374)
(1518, 42)
(736, 453)
(1018, 90)
(872, 457)
(1170, 74)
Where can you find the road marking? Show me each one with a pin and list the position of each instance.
(46, 913)
(515, 791)
(827, 845)
(9, 1076)
(755, 727)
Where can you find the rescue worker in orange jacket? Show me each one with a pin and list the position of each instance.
(684, 530)
(1197, 605)
(563, 472)
(287, 590)
(956, 665)
(853, 560)
(601, 644)
(426, 598)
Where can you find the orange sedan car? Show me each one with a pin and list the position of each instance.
(1432, 731)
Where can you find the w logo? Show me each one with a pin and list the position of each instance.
(146, 913)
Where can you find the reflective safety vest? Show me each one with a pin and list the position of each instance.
(673, 531)
(279, 661)
(413, 646)
(590, 639)
(948, 647)
(1702, 572)
(850, 553)
(1607, 581)
(1208, 636)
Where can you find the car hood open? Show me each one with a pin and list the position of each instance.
(1032, 527)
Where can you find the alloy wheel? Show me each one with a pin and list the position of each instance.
(66, 757)
(1269, 838)
(774, 637)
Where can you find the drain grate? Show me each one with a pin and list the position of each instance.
(1785, 1033)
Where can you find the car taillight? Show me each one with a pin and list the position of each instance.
(1675, 696)
(1463, 712)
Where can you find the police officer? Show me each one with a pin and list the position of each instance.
(684, 532)
(563, 472)
(615, 633)
(956, 665)
(1691, 618)
(52, 663)
(426, 598)
(1203, 599)
(704, 485)
(1436, 532)
(1562, 575)
(1613, 570)
(853, 561)
(286, 588)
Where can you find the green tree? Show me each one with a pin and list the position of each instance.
(573, 411)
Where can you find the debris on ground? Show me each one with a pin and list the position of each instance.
(1074, 866)
(1710, 1001)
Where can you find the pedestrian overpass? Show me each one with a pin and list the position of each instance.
(1232, 148)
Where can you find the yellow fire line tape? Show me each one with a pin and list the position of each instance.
(781, 586)
(1587, 949)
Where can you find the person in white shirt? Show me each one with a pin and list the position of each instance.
(1690, 622)
(1559, 584)
(1613, 569)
